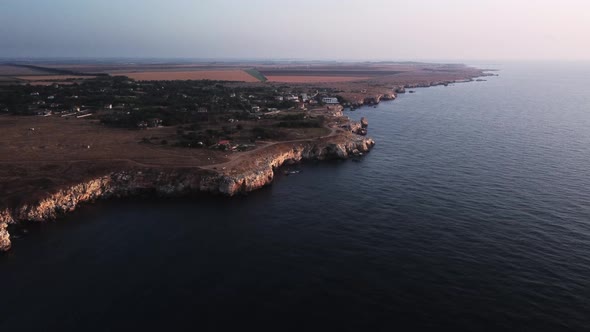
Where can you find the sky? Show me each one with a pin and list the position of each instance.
(298, 29)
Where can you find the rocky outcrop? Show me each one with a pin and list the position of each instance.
(173, 182)
(364, 122)
(372, 100)
(118, 184)
(355, 128)
(263, 174)
(4, 236)
(388, 96)
(375, 99)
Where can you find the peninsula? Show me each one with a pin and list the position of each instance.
(77, 132)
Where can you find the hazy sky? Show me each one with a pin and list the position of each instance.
(306, 29)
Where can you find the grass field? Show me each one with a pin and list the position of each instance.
(258, 75)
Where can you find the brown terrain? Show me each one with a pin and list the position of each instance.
(312, 79)
(49, 152)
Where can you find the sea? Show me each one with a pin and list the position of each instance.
(472, 213)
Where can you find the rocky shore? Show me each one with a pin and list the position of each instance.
(174, 182)
(356, 101)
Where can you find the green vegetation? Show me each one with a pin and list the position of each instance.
(256, 74)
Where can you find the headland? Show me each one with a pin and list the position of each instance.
(75, 133)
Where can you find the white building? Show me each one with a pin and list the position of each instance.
(330, 100)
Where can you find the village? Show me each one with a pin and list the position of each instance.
(227, 116)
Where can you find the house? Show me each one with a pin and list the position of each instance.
(109, 107)
(255, 109)
(150, 123)
(304, 97)
(155, 122)
(202, 110)
(223, 142)
(330, 100)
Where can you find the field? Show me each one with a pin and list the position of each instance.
(34, 75)
(215, 75)
(7, 70)
(313, 79)
(302, 72)
(53, 77)
(322, 73)
(59, 151)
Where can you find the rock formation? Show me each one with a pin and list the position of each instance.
(4, 237)
(173, 182)
(364, 122)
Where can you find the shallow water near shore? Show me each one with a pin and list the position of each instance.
(472, 212)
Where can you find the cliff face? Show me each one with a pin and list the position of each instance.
(171, 182)
(5, 219)
(123, 183)
(263, 173)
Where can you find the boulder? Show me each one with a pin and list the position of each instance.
(364, 122)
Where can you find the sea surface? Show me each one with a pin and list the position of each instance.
(471, 213)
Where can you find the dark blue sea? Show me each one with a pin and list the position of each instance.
(471, 213)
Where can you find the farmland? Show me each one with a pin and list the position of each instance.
(37, 75)
(313, 79)
(52, 77)
(214, 75)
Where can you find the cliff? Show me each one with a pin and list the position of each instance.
(263, 172)
(4, 235)
(171, 182)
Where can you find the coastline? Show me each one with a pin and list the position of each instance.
(246, 176)
(176, 182)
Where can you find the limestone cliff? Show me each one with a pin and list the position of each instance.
(263, 172)
(5, 219)
(170, 182)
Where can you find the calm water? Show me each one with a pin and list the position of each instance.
(472, 212)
